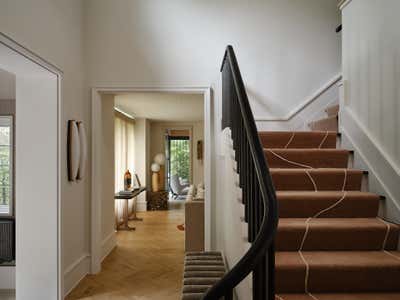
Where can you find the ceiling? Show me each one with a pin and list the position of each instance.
(162, 106)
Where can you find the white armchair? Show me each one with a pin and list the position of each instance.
(177, 188)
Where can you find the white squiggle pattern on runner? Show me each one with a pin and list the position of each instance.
(323, 140)
(312, 180)
(307, 275)
(289, 161)
(290, 140)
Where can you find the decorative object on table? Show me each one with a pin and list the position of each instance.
(74, 150)
(136, 182)
(155, 168)
(200, 150)
(160, 159)
(158, 201)
(127, 181)
(83, 150)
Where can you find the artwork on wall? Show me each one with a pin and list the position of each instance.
(200, 150)
(76, 150)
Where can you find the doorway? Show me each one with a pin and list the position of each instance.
(98, 95)
(178, 155)
(32, 192)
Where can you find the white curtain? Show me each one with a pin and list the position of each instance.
(124, 156)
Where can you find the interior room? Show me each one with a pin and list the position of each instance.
(153, 189)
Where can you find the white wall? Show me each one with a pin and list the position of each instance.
(371, 101)
(157, 144)
(7, 85)
(286, 49)
(53, 29)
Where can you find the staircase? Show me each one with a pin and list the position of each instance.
(330, 244)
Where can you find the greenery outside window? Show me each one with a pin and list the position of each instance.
(6, 166)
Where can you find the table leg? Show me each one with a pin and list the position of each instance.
(134, 216)
(125, 225)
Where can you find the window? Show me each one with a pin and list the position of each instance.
(178, 157)
(6, 165)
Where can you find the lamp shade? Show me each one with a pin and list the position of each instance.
(160, 159)
(155, 167)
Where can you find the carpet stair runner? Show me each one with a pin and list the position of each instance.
(201, 271)
(331, 244)
(330, 123)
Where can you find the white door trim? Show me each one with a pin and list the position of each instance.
(30, 55)
(96, 240)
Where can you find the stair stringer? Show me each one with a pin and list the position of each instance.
(232, 238)
(383, 177)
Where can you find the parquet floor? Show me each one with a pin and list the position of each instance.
(146, 264)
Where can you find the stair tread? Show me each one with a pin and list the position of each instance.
(341, 296)
(336, 234)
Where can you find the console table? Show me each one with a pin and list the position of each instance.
(125, 215)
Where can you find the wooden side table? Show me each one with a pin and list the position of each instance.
(158, 201)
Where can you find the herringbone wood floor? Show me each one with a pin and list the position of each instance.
(146, 264)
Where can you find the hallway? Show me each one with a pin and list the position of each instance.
(146, 264)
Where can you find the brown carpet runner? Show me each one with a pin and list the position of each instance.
(330, 244)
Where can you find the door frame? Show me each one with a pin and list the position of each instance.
(25, 53)
(95, 234)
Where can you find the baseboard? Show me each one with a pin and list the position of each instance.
(312, 108)
(108, 244)
(76, 272)
(384, 177)
(141, 205)
(7, 278)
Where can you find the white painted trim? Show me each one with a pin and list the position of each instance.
(304, 104)
(75, 272)
(343, 3)
(96, 249)
(7, 278)
(37, 59)
(108, 244)
(384, 174)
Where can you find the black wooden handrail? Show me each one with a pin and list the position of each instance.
(261, 210)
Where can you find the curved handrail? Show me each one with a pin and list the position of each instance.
(269, 223)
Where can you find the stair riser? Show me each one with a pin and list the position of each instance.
(300, 140)
(328, 124)
(349, 208)
(315, 159)
(369, 279)
(328, 181)
(321, 239)
(332, 111)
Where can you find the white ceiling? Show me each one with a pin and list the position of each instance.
(162, 106)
